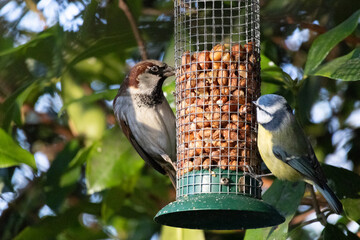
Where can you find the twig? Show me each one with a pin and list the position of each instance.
(319, 214)
(310, 222)
(301, 217)
(32, 6)
(308, 201)
(353, 40)
(139, 40)
(155, 12)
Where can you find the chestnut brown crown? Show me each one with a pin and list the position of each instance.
(147, 74)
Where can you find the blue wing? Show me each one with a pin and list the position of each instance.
(307, 165)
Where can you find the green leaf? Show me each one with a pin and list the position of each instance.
(11, 154)
(352, 209)
(113, 203)
(113, 162)
(285, 197)
(108, 95)
(333, 232)
(181, 234)
(51, 226)
(33, 43)
(85, 119)
(346, 68)
(271, 73)
(105, 45)
(10, 109)
(323, 44)
(338, 178)
(300, 233)
(60, 179)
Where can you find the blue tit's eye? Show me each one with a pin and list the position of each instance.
(154, 69)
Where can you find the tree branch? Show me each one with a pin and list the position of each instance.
(301, 217)
(319, 214)
(155, 12)
(139, 40)
(32, 6)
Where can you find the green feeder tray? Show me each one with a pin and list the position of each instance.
(224, 210)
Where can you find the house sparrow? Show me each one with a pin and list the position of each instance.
(145, 116)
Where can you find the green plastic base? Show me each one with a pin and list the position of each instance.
(214, 211)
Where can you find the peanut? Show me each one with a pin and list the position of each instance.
(185, 59)
(230, 105)
(204, 60)
(217, 52)
(238, 52)
(249, 47)
(233, 165)
(206, 164)
(223, 77)
(216, 122)
(238, 96)
(223, 163)
(233, 82)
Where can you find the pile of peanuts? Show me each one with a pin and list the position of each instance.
(216, 118)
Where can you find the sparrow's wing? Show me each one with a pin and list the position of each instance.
(139, 149)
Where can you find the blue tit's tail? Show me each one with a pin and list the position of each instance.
(331, 198)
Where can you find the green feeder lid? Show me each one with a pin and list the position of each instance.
(214, 211)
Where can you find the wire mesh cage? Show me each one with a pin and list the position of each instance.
(217, 58)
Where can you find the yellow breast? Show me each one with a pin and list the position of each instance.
(280, 169)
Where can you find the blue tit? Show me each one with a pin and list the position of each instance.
(286, 150)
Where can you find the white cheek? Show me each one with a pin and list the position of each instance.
(263, 117)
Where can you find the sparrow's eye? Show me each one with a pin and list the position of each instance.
(154, 69)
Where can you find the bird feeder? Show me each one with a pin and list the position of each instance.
(217, 58)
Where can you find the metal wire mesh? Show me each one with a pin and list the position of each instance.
(218, 76)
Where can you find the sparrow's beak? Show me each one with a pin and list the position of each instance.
(169, 71)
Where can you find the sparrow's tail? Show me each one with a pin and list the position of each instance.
(331, 198)
(172, 176)
(170, 169)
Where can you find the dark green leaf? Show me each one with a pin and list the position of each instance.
(51, 226)
(60, 179)
(331, 232)
(340, 177)
(113, 203)
(346, 68)
(325, 42)
(285, 197)
(12, 154)
(10, 109)
(32, 43)
(349, 195)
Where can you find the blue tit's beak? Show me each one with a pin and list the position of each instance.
(254, 102)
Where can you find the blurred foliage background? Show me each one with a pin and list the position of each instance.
(67, 172)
